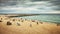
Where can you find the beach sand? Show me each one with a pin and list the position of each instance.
(24, 26)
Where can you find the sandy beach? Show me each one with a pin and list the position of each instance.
(25, 26)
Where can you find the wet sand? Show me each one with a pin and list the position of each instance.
(24, 26)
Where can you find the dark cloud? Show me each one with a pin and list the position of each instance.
(56, 8)
(7, 2)
(56, 3)
(36, 0)
(39, 0)
(14, 2)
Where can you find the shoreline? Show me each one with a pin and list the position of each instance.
(27, 26)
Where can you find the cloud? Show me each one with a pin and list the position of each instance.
(57, 4)
(30, 7)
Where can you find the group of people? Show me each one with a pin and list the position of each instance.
(37, 22)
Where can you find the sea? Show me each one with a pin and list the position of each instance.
(53, 18)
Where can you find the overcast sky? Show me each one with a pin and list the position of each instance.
(30, 6)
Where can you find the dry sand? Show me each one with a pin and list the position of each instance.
(24, 26)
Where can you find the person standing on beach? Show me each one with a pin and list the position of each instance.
(18, 24)
(30, 25)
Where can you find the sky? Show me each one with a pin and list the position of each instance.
(30, 6)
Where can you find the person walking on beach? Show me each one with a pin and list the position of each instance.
(37, 22)
(58, 24)
(30, 25)
(18, 24)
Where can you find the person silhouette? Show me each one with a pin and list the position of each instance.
(18, 24)
(9, 23)
(13, 19)
(37, 23)
(30, 25)
(0, 21)
(58, 24)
